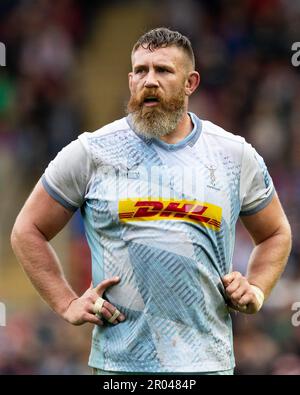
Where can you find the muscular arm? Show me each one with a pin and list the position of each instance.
(271, 234)
(39, 221)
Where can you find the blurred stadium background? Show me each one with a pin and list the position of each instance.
(66, 72)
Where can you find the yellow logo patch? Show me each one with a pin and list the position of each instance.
(205, 214)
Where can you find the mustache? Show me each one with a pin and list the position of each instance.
(149, 93)
(167, 103)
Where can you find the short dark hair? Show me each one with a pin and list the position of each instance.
(163, 37)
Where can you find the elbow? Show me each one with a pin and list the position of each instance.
(286, 236)
(289, 238)
(15, 236)
(20, 233)
(24, 235)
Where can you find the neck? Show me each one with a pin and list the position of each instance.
(183, 129)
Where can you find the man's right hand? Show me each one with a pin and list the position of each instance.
(81, 310)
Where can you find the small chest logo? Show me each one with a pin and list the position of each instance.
(212, 175)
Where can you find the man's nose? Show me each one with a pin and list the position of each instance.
(151, 80)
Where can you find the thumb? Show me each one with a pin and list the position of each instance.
(101, 287)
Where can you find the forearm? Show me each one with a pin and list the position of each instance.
(42, 266)
(268, 260)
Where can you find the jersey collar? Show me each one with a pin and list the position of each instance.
(190, 139)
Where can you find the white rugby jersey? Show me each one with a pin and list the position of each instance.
(161, 217)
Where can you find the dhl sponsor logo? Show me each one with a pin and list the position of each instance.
(205, 214)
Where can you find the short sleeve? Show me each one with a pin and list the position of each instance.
(67, 176)
(257, 187)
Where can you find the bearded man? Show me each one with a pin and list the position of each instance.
(160, 192)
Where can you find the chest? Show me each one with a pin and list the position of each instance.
(194, 190)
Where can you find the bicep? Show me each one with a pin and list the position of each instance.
(43, 214)
(269, 221)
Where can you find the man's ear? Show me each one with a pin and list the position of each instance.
(192, 82)
(130, 75)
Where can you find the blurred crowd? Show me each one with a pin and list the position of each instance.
(38, 116)
(248, 86)
(38, 113)
(36, 341)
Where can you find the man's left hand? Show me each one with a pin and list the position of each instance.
(242, 296)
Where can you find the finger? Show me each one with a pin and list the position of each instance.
(119, 317)
(100, 288)
(239, 283)
(112, 309)
(236, 302)
(245, 300)
(93, 319)
(233, 287)
(241, 290)
(113, 319)
(109, 307)
(228, 278)
(107, 310)
(91, 309)
(107, 315)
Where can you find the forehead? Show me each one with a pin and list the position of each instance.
(172, 54)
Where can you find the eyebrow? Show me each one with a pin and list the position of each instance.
(156, 66)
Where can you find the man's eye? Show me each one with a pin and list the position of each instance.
(162, 70)
(139, 71)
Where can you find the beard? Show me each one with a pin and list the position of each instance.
(160, 120)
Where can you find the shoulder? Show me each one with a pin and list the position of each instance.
(218, 133)
(217, 139)
(112, 144)
(109, 132)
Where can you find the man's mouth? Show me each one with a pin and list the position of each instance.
(151, 101)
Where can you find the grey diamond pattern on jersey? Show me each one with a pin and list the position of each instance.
(175, 277)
